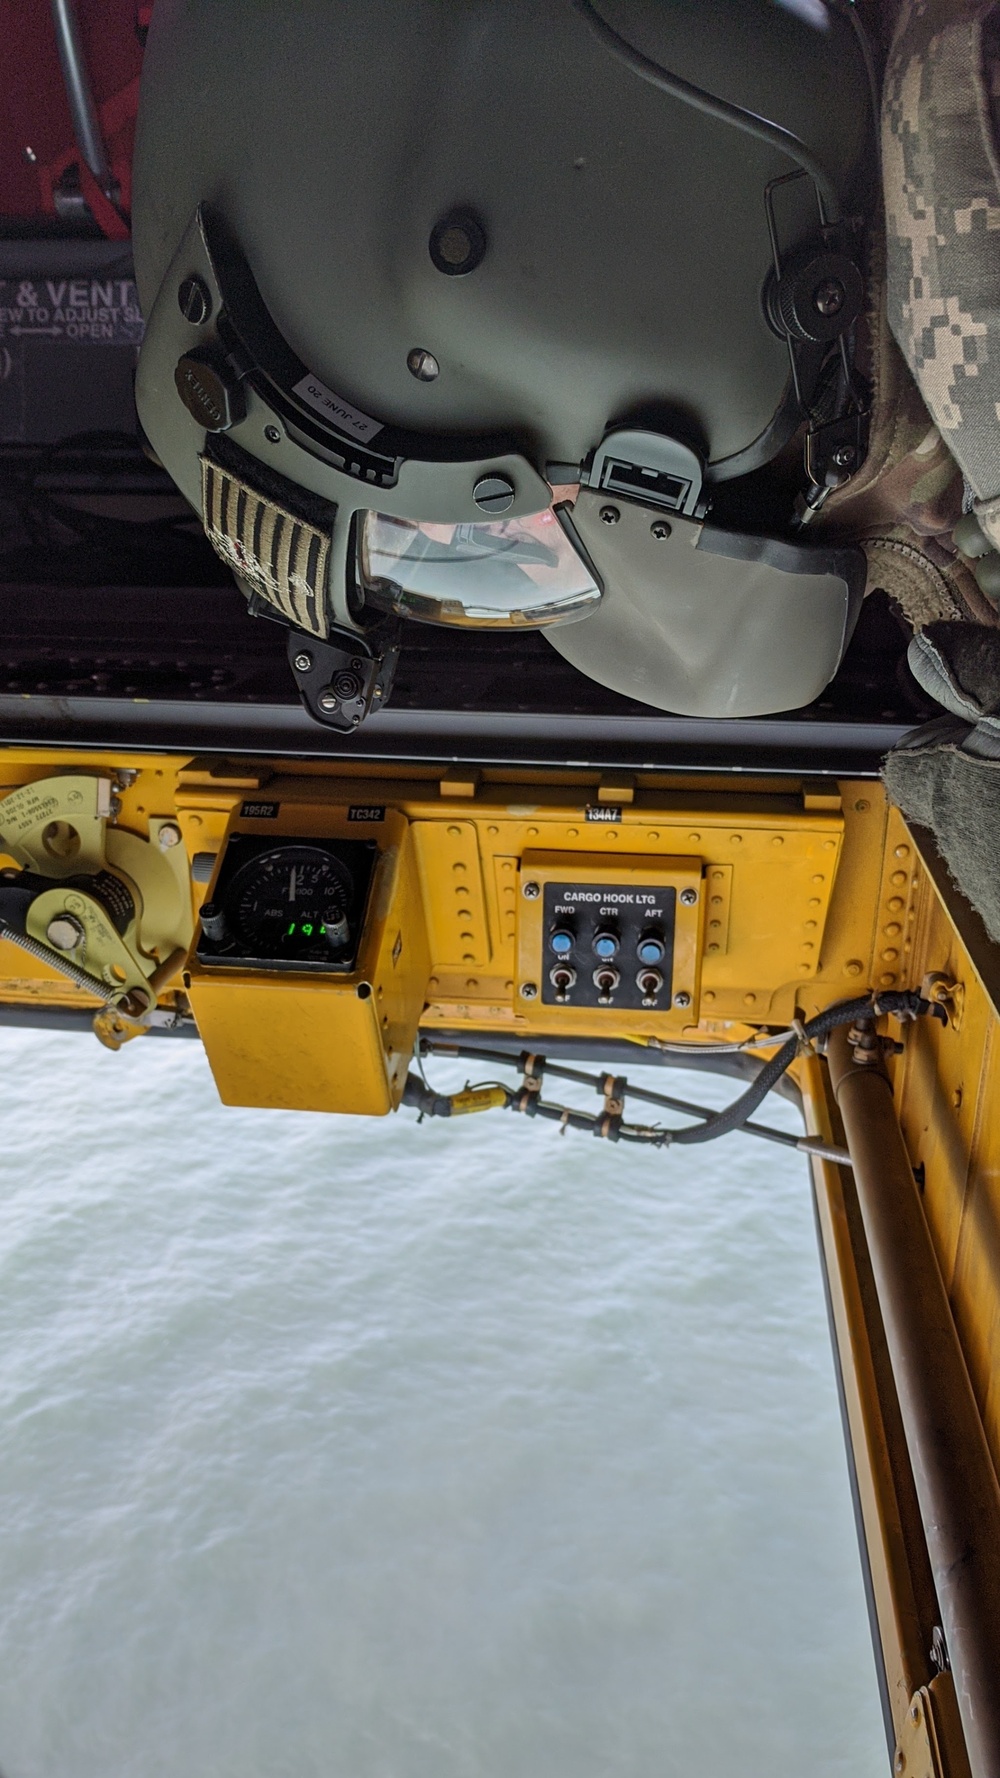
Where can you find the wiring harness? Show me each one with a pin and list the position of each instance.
(610, 1122)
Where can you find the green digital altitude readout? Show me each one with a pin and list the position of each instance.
(305, 927)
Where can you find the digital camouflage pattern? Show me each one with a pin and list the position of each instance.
(906, 499)
(941, 172)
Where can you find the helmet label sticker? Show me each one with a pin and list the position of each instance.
(333, 407)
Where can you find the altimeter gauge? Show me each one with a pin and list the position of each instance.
(296, 905)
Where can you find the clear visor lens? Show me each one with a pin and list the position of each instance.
(521, 572)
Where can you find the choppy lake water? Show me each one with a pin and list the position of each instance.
(364, 1450)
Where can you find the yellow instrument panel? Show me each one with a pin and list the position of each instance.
(770, 889)
(300, 1041)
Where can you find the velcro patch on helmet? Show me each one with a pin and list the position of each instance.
(281, 554)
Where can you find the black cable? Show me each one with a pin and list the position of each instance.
(737, 116)
(905, 1004)
(845, 1012)
(474, 1053)
(848, 9)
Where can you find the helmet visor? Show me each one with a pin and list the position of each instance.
(504, 573)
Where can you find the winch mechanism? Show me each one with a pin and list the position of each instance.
(105, 907)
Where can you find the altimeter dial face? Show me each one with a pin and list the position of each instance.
(294, 902)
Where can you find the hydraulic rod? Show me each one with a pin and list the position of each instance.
(956, 1482)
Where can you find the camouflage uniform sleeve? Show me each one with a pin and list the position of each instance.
(941, 172)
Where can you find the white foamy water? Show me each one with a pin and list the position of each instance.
(364, 1450)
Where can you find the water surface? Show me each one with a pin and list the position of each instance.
(360, 1449)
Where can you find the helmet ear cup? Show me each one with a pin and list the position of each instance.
(817, 297)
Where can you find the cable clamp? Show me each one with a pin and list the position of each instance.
(532, 1070)
(613, 1088)
(526, 1097)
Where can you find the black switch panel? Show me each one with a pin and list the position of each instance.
(608, 945)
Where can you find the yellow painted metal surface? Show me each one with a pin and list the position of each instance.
(684, 875)
(800, 901)
(324, 1043)
(806, 894)
(946, 1085)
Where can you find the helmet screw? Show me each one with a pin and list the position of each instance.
(272, 434)
(683, 998)
(422, 364)
(660, 530)
(528, 990)
(844, 456)
(195, 301)
(610, 515)
(328, 700)
(303, 661)
(688, 898)
(493, 494)
(828, 297)
(531, 891)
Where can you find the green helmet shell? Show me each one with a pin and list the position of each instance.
(622, 241)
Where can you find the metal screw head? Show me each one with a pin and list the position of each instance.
(661, 529)
(828, 297)
(530, 891)
(64, 933)
(169, 836)
(493, 494)
(688, 898)
(683, 998)
(609, 515)
(213, 395)
(303, 661)
(529, 990)
(272, 434)
(194, 299)
(328, 700)
(422, 364)
(844, 456)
